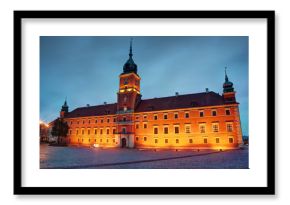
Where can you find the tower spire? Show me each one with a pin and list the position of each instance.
(130, 53)
(226, 76)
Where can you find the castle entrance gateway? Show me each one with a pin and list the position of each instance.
(123, 143)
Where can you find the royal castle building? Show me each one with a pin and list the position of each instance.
(205, 120)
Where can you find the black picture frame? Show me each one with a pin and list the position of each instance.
(269, 189)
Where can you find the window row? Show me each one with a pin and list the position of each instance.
(176, 115)
(91, 121)
(187, 128)
(95, 140)
(94, 131)
(190, 141)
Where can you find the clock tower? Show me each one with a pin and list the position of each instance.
(128, 98)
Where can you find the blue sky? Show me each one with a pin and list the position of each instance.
(86, 69)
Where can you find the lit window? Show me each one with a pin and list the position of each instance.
(156, 141)
(187, 129)
(145, 125)
(229, 127)
(228, 112)
(217, 140)
(175, 115)
(176, 130)
(155, 130)
(177, 141)
(201, 114)
(215, 127)
(231, 140)
(166, 141)
(205, 140)
(202, 128)
(190, 141)
(213, 112)
(155, 117)
(165, 130)
(165, 116)
(186, 115)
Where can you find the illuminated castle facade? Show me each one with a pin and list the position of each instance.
(204, 120)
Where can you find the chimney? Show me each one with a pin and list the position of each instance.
(206, 90)
(176, 94)
(105, 103)
(88, 105)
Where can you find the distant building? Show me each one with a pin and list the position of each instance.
(43, 132)
(193, 121)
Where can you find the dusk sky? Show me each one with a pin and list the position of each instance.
(86, 69)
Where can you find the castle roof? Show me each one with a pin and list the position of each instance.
(154, 104)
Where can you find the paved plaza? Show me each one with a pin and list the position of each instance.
(95, 158)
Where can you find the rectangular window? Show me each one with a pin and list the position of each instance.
(165, 116)
(96, 121)
(176, 130)
(95, 131)
(89, 131)
(137, 138)
(101, 140)
(165, 130)
(124, 130)
(137, 117)
(213, 112)
(155, 130)
(231, 140)
(145, 117)
(70, 132)
(177, 141)
(175, 115)
(166, 141)
(78, 122)
(190, 141)
(201, 114)
(187, 129)
(215, 127)
(228, 112)
(217, 140)
(229, 127)
(137, 126)
(114, 131)
(114, 119)
(101, 131)
(145, 139)
(89, 121)
(107, 140)
(83, 132)
(186, 115)
(155, 117)
(71, 122)
(114, 140)
(145, 125)
(83, 122)
(108, 131)
(77, 131)
(108, 120)
(204, 140)
(202, 128)
(102, 120)
(156, 141)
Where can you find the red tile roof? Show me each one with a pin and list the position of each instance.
(155, 104)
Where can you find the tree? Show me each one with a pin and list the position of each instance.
(60, 130)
